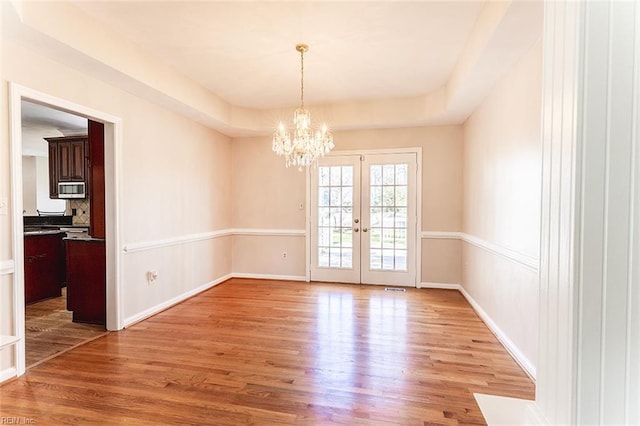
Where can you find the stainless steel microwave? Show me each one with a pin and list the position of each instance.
(71, 190)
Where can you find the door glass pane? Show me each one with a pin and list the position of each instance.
(376, 196)
(347, 217)
(375, 217)
(323, 257)
(388, 174)
(347, 176)
(323, 196)
(323, 176)
(335, 216)
(376, 175)
(336, 196)
(401, 174)
(347, 196)
(401, 196)
(388, 217)
(323, 216)
(388, 197)
(335, 176)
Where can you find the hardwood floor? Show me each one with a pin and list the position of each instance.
(49, 330)
(273, 352)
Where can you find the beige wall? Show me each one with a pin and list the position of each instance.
(267, 196)
(266, 200)
(176, 182)
(502, 157)
(265, 193)
(29, 185)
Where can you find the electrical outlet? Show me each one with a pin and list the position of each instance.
(4, 206)
(284, 255)
(301, 206)
(152, 276)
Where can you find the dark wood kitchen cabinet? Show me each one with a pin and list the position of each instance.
(86, 282)
(44, 266)
(67, 161)
(95, 175)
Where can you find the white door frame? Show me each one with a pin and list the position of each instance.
(113, 214)
(365, 152)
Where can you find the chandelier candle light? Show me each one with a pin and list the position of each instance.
(302, 145)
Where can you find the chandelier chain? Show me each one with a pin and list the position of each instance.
(302, 78)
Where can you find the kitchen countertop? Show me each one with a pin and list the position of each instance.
(84, 239)
(43, 232)
(56, 226)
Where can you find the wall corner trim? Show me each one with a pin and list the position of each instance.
(7, 267)
(513, 350)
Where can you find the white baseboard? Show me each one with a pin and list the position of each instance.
(173, 301)
(518, 356)
(8, 373)
(446, 286)
(269, 277)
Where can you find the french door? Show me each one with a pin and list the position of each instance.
(363, 219)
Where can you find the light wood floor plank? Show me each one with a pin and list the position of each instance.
(276, 352)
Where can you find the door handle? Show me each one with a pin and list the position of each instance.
(356, 229)
(365, 229)
(356, 220)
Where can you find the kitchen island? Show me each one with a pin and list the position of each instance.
(86, 272)
(44, 264)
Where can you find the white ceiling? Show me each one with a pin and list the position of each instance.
(39, 122)
(371, 64)
(245, 51)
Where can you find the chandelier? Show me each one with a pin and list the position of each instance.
(304, 144)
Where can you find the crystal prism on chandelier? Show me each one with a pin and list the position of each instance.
(304, 144)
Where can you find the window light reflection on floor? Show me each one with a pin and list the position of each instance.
(344, 326)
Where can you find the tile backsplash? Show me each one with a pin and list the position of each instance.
(82, 211)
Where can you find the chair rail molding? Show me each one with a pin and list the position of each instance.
(529, 262)
(7, 267)
(174, 241)
(270, 232)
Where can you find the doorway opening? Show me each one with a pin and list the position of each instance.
(111, 138)
(59, 150)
